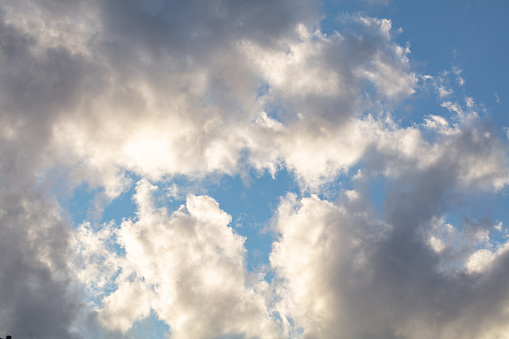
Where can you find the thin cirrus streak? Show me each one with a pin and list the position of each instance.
(275, 177)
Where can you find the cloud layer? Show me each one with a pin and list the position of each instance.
(111, 94)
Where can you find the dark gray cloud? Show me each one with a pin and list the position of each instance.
(35, 292)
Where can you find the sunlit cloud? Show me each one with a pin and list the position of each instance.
(244, 170)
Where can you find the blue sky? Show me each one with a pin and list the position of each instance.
(270, 169)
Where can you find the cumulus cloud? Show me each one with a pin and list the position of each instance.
(97, 93)
(187, 266)
(344, 273)
(118, 97)
(37, 297)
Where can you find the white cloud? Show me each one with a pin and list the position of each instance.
(443, 92)
(138, 105)
(317, 254)
(436, 122)
(483, 259)
(188, 267)
(479, 260)
(498, 226)
(92, 90)
(459, 79)
(339, 272)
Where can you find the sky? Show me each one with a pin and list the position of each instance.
(225, 169)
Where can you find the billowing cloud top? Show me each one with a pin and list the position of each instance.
(384, 235)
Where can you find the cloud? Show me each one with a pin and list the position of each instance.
(321, 82)
(188, 267)
(37, 296)
(341, 270)
(312, 259)
(99, 92)
(120, 97)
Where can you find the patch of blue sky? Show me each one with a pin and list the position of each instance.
(498, 213)
(460, 34)
(277, 111)
(377, 194)
(263, 89)
(482, 211)
(86, 203)
(78, 204)
(295, 331)
(252, 204)
(123, 207)
(444, 35)
(149, 328)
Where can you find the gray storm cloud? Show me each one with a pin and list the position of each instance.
(92, 91)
